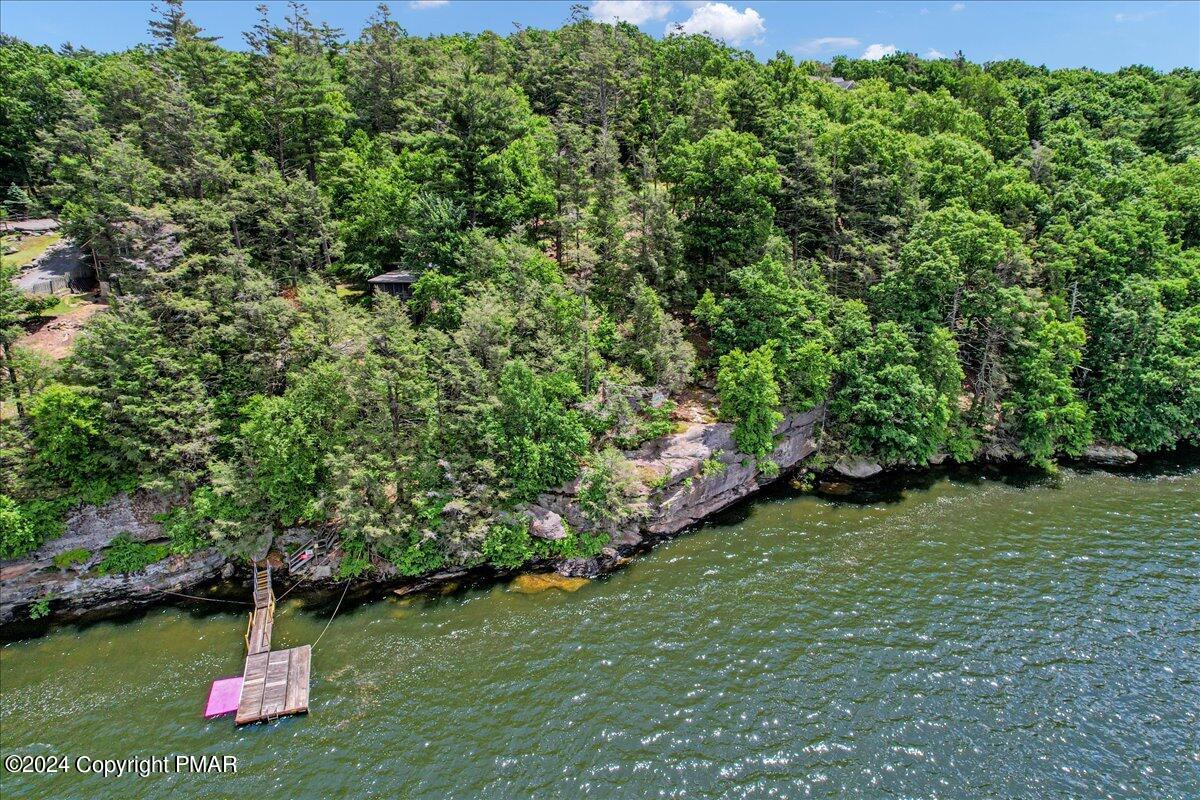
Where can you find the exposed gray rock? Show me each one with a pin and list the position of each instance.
(76, 595)
(937, 459)
(856, 468)
(93, 527)
(686, 477)
(1108, 455)
(679, 490)
(545, 524)
(1001, 453)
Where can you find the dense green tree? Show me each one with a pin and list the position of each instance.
(653, 343)
(722, 186)
(538, 438)
(988, 261)
(66, 433)
(884, 406)
(749, 398)
(302, 110)
(154, 412)
(771, 302)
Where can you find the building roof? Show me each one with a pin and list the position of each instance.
(395, 276)
(841, 83)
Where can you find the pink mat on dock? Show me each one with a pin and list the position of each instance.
(223, 697)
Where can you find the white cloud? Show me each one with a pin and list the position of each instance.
(1138, 16)
(421, 5)
(825, 43)
(958, 7)
(924, 11)
(722, 21)
(874, 52)
(934, 53)
(634, 11)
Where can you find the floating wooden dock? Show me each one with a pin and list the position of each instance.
(274, 682)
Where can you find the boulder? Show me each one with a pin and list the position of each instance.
(856, 468)
(1108, 455)
(545, 524)
(1001, 453)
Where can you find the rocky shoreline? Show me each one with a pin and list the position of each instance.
(688, 476)
(685, 478)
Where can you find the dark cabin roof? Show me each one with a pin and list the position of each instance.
(395, 276)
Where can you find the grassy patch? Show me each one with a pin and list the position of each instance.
(126, 556)
(29, 248)
(65, 304)
(353, 296)
(71, 558)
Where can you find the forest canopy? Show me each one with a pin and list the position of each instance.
(994, 260)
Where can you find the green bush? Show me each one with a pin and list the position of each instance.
(609, 481)
(17, 536)
(713, 465)
(354, 561)
(126, 556)
(416, 558)
(652, 424)
(71, 558)
(40, 607)
(189, 526)
(577, 545)
(509, 546)
(65, 433)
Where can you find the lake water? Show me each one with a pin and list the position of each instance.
(973, 638)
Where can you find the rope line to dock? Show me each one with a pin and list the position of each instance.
(335, 611)
(289, 589)
(209, 599)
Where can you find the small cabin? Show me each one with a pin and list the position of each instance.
(398, 282)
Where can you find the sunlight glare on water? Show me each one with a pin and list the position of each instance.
(972, 639)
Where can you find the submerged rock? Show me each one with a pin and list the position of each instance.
(835, 488)
(856, 468)
(532, 583)
(1108, 455)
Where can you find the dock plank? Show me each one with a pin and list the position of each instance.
(253, 680)
(275, 688)
(261, 624)
(297, 687)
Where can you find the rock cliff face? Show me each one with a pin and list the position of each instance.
(79, 591)
(1108, 455)
(685, 478)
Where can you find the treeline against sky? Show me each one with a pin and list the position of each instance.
(983, 261)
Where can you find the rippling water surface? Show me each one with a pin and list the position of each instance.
(968, 639)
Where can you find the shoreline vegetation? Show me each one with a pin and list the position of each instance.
(197, 579)
(632, 260)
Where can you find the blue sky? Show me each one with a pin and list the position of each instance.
(1102, 35)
